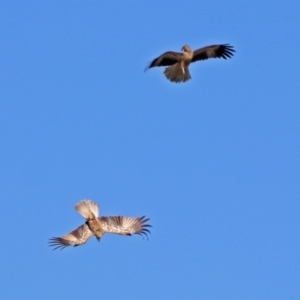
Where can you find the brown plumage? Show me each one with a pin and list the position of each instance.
(178, 62)
(97, 226)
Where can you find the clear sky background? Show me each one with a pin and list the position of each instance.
(214, 162)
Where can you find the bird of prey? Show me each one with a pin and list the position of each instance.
(97, 226)
(178, 62)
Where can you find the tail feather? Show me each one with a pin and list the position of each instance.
(88, 209)
(176, 73)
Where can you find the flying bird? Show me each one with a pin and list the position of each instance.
(97, 226)
(178, 62)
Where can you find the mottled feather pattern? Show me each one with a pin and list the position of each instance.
(98, 226)
(76, 237)
(125, 225)
(177, 70)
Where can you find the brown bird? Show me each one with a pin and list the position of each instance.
(97, 226)
(178, 62)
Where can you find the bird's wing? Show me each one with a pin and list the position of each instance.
(166, 59)
(125, 225)
(76, 237)
(214, 51)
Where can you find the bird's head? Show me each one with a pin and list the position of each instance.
(98, 235)
(186, 48)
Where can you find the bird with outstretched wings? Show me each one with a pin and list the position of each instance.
(97, 226)
(177, 70)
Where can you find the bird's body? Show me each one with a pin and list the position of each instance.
(177, 70)
(90, 211)
(97, 226)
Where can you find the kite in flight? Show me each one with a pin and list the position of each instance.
(97, 226)
(177, 70)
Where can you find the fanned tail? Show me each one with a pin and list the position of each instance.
(176, 73)
(88, 209)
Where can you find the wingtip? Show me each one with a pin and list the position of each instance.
(147, 67)
(54, 242)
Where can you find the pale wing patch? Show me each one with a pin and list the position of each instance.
(76, 237)
(213, 51)
(125, 225)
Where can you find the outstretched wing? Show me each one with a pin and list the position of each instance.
(125, 225)
(166, 59)
(214, 51)
(75, 238)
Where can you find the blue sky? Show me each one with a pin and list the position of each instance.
(213, 162)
